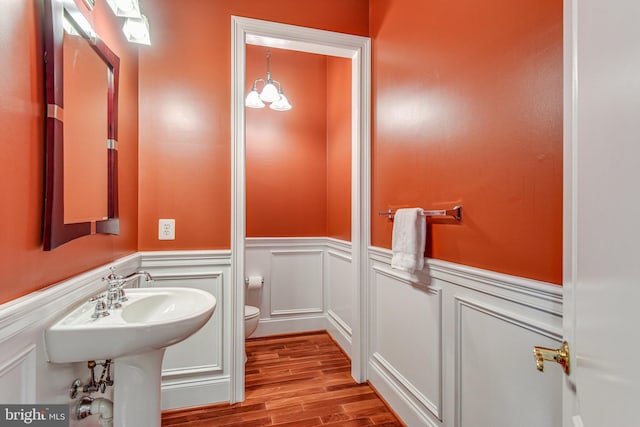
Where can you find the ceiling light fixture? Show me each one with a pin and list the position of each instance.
(125, 8)
(136, 25)
(270, 93)
(137, 30)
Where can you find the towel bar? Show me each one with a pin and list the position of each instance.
(456, 212)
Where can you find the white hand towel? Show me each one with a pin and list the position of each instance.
(408, 240)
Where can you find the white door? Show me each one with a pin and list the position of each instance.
(602, 212)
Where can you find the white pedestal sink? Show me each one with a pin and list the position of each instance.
(135, 337)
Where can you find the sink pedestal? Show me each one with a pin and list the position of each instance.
(136, 390)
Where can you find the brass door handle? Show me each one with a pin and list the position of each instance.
(560, 355)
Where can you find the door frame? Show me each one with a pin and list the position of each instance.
(569, 218)
(358, 49)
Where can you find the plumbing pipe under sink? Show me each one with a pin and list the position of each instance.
(103, 407)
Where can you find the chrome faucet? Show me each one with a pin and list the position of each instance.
(115, 293)
(147, 276)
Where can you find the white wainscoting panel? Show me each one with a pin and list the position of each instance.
(307, 285)
(340, 292)
(194, 371)
(407, 337)
(497, 383)
(340, 295)
(18, 377)
(296, 282)
(476, 367)
(180, 360)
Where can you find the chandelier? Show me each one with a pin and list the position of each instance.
(271, 92)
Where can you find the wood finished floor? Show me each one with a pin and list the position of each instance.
(294, 381)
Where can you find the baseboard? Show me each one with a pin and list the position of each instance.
(287, 325)
(340, 332)
(194, 392)
(403, 404)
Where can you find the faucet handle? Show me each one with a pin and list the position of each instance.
(101, 310)
(112, 276)
(113, 296)
(115, 292)
(122, 296)
(98, 297)
(113, 280)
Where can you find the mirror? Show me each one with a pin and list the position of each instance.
(85, 87)
(81, 89)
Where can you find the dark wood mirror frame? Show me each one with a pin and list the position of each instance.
(55, 231)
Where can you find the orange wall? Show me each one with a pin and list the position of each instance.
(24, 267)
(185, 110)
(286, 164)
(468, 109)
(339, 148)
(299, 162)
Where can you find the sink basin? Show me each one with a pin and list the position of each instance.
(152, 318)
(136, 336)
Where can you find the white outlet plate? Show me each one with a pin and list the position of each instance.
(166, 229)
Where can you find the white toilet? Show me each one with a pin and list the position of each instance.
(251, 318)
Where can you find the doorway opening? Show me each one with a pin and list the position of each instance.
(269, 34)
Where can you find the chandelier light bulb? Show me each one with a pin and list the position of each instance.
(253, 99)
(269, 92)
(281, 104)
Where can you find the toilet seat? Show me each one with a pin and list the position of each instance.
(251, 312)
